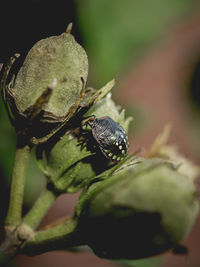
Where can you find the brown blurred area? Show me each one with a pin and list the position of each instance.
(159, 84)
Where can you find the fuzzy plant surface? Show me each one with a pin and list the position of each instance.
(131, 207)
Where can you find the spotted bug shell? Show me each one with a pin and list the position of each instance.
(111, 138)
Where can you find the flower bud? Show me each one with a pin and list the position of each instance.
(75, 159)
(143, 209)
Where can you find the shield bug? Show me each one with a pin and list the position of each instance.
(110, 136)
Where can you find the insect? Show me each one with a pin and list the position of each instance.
(110, 136)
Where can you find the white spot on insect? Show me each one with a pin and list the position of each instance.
(118, 158)
(120, 147)
(117, 144)
(110, 155)
(114, 157)
(123, 151)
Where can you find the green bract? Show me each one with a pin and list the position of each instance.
(107, 107)
(142, 209)
(68, 165)
(57, 57)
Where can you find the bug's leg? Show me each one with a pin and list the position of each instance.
(82, 141)
(104, 152)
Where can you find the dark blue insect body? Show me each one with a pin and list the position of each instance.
(110, 136)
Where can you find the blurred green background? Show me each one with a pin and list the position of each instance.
(152, 47)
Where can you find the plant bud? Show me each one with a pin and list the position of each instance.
(67, 165)
(143, 209)
(71, 162)
(57, 57)
(48, 88)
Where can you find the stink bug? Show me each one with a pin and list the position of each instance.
(110, 136)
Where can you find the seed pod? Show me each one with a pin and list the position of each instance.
(49, 86)
(57, 57)
(136, 212)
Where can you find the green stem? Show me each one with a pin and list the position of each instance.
(59, 237)
(39, 209)
(17, 185)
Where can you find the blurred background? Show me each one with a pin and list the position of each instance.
(152, 47)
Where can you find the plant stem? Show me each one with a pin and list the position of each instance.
(39, 209)
(59, 237)
(14, 214)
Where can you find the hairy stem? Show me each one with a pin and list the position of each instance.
(59, 237)
(14, 214)
(39, 209)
